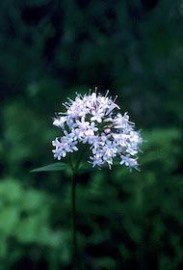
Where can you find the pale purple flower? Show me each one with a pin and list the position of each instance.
(95, 120)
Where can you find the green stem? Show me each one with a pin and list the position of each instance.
(78, 163)
(74, 239)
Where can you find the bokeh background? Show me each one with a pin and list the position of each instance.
(49, 49)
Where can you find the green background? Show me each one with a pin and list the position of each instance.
(48, 51)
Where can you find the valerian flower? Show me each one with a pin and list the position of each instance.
(95, 120)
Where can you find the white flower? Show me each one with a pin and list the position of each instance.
(129, 162)
(59, 121)
(95, 120)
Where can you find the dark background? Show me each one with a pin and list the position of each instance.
(48, 51)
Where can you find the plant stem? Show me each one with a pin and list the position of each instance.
(74, 240)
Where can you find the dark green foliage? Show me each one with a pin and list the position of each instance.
(49, 50)
(24, 224)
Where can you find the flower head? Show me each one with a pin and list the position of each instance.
(95, 120)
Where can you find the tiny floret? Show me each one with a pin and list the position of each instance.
(95, 120)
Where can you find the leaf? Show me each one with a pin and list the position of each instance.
(59, 166)
(85, 167)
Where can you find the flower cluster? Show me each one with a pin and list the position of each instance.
(95, 120)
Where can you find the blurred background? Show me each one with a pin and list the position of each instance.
(49, 49)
